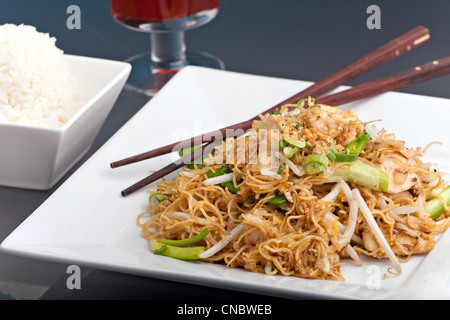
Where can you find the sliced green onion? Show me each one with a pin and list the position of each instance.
(298, 125)
(276, 112)
(230, 186)
(221, 171)
(182, 253)
(301, 102)
(357, 145)
(315, 106)
(193, 166)
(309, 147)
(294, 142)
(435, 207)
(155, 198)
(293, 151)
(277, 200)
(281, 168)
(186, 151)
(361, 143)
(161, 250)
(185, 242)
(343, 156)
(332, 154)
(316, 163)
(198, 163)
(282, 144)
(364, 174)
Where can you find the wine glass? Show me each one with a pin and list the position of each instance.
(165, 21)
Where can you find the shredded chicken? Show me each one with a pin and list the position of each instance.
(403, 242)
(333, 123)
(400, 179)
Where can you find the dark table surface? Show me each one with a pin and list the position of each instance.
(295, 39)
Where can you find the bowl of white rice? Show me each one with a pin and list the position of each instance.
(52, 106)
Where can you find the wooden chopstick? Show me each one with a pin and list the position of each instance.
(383, 54)
(428, 71)
(415, 75)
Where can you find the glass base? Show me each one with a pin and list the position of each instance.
(145, 80)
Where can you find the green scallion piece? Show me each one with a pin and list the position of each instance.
(293, 151)
(193, 166)
(277, 200)
(316, 163)
(161, 250)
(186, 151)
(357, 145)
(363, 174)
(298, 125)
(155, 198)
(301, 102)
(294, 142)
(185, 242)
(277, 112)
(343, 156)
(221, 171)
(231, 187)
(332, 154)
(309, 147)
(282, 144)
(361, 143)
(281, 168)
(198, 163)
(181, 253)
(435, 207)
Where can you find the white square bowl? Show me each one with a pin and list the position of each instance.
(36, 157)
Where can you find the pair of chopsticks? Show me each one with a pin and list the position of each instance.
(387, 52)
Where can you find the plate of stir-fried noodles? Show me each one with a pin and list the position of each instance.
(313, 200)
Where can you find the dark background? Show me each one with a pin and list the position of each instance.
(296, 39)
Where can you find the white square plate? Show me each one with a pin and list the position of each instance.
(87, 221)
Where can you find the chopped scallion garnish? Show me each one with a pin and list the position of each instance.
(316, 163)
(294, 142)
(301, 102)
(357, 145)
(343, 156)
(155, 198)
(181, 253)
(221, 171)
(185, 242)
(281, 168)
(230, 186)
(364, 174)
(277, 200)
(435, 207)
(291, 152)
(186, 151)
(332, 154)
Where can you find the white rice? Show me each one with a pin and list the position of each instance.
(35, 85)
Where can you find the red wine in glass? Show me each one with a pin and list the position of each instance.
(165, 21)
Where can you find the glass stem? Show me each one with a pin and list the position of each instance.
(168, 50)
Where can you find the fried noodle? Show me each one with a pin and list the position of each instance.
(319, 226)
